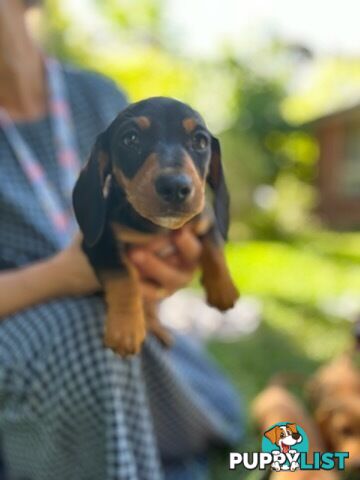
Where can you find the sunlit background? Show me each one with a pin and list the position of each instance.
(279, 83)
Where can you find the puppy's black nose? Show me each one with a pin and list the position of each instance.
(174, 188)
(296, 435)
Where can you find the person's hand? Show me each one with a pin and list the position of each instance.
(74, 270)
(167, 263)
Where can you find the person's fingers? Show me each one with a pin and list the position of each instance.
(188, 246)
(157, 243)
(174, 260)
(153, 292)
(182, 248)
(162, 246)
(171, 257)
(156, 269)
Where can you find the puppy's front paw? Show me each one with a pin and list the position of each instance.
(125, 333)
(221, 293)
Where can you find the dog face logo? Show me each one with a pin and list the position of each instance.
(285, 441)
(284, 436)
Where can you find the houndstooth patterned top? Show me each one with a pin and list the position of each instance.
(69, 408)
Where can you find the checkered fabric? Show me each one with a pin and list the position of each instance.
(69, 408)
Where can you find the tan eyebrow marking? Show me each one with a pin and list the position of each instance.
(143, 122)
(189, 124)
(103, 160)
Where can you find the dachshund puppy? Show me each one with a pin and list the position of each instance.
(146, 176)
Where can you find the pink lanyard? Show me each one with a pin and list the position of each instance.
(58, 211)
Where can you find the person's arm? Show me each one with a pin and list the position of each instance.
(69, 273)
(24, 287)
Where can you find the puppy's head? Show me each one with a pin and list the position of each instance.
(160, 153)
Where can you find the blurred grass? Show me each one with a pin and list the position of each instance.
(296, 335)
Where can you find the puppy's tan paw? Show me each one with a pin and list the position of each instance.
(124, 335)
(221, 294)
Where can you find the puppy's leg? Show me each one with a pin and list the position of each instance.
(154, 326)
(220, 289)
(125, 322)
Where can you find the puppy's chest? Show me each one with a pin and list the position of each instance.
(126, 236)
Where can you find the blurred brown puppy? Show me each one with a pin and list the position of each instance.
(335, 395)
(276, 404)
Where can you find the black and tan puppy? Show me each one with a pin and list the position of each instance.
(147, 174)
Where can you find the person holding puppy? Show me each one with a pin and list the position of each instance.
(69, 408)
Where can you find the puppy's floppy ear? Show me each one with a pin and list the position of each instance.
(89, 197)
(216, 180)
(272, 434)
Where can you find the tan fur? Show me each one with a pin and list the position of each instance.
(335, 393)
(141, 193)
(103, 160)
(125, 323)
(305, 475)
(143, 122)
(189, 124)
(220, 289)
(201, 224)
(198, 195)
(128, 235)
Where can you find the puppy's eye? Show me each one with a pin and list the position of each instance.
(282, 435)
(131, 139)
(199, 141)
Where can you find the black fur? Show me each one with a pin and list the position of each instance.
(165, 136)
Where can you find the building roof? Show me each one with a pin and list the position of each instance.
(338, 114)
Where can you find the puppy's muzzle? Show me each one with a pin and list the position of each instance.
(174, 188)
